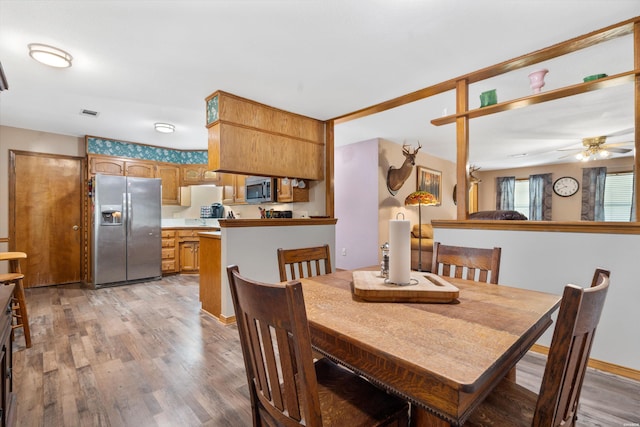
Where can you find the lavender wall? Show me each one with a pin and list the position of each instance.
(356, 204)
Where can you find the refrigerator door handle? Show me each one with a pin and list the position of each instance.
(126, 200)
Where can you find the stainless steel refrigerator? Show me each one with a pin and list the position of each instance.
(127, 241)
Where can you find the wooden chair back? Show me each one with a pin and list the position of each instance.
(276, 346)
(479, 264)
(304, 262)
(566, 366)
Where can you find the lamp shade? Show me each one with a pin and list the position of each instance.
(420, 198)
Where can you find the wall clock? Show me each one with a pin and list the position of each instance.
(566, 186)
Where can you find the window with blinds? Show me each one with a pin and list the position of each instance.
(618, 190)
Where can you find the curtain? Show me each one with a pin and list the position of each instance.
(634, 194)
(540, 197)
(505, 189)
(593, 180)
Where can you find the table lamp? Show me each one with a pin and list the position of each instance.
(420, 198)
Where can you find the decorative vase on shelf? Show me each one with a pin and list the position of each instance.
(536, 79)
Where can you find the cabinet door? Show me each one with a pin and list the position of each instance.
(211, 177)
(106, 166)
(140, 169)
(170, 175)
(285, 191)
(188, 257)
(228, 189)
(240, 189)
(191, 174)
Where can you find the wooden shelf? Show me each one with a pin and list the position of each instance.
(551, 95)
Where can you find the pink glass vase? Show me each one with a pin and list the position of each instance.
(536, 79)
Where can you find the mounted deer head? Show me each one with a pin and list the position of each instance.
(473, 179)
(397, 177)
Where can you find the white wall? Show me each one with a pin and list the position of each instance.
(356, 204)
(200, 195)
(254, 250)
(547, 261)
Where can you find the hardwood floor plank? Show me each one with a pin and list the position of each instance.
(144, 355)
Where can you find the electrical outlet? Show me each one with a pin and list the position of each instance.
(344, 251)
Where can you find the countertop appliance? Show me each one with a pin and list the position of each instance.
(127, 241)
(260, 189)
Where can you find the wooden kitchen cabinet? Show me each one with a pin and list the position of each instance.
(106, 165)
(189, 257)
(288, 193)
(140, 168)
(233, 190)
(170, 175)
(8, 403)
(281, 143)
(199, 174)
(169, 252)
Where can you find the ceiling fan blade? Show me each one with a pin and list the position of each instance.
(618, 150)
(618, 144)
(622, 132)
(571, 149)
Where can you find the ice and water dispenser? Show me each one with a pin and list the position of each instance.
(111, 215)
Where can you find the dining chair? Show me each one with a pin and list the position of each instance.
(304, 262)
(286, 386)
(479, 264)
(20, 317)
(513, 405)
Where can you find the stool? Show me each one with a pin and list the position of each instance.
(19, 303)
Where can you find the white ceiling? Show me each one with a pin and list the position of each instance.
(139, 62)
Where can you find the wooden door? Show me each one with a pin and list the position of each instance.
(45, 216)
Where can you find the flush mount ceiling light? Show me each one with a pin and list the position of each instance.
(165, 127)
(49, 55)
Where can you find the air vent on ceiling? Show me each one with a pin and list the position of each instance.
(89, 113)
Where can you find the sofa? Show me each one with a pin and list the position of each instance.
(426, 248)
(498, 215)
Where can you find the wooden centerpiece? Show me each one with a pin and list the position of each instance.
(428, 287)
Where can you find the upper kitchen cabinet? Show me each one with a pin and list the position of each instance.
(233, 190)
(250, 138)
(170, 176)
(287, 193)
(108, 165)
(199, 174)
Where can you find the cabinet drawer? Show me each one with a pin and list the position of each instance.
(188, 233)
(168, 243)
(169, 266)
(168, 233)
(168, 253)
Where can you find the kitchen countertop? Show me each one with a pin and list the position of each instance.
(190, 223)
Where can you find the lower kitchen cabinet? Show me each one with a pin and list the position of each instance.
(189, 257)
(8, 404)
(169, 252)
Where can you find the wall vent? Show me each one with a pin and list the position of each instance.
(89, 113)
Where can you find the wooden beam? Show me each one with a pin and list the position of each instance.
(462, 149)
(636, 162)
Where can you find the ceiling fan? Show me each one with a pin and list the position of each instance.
(595, 148)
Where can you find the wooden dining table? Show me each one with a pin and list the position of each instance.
(443, 358)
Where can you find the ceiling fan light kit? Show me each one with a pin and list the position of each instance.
(49, 55)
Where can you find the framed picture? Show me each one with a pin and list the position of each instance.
(430, 180)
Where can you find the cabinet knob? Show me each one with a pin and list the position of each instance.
(76, 228)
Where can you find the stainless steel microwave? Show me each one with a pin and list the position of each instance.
(260, 189)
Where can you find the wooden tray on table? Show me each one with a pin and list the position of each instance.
(370, 286)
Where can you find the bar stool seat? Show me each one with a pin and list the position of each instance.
(19, 303)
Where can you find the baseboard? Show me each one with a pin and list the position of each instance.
(223, 319)
(611, 368)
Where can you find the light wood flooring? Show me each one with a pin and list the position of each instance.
(144, 355)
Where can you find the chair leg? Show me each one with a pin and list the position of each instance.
(23, 318)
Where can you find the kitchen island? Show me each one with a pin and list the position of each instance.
(252, 244)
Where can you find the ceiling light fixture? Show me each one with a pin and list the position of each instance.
(165, 127)
(49, 55)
